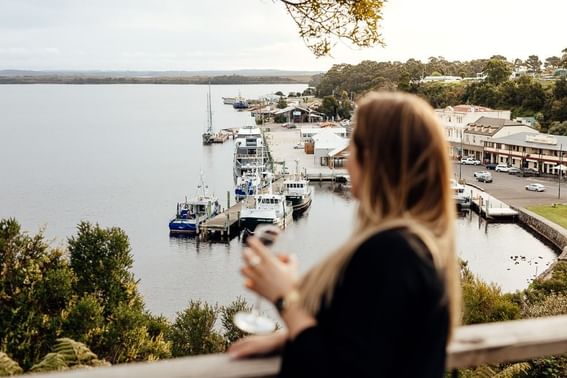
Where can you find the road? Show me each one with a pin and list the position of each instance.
(512, 189)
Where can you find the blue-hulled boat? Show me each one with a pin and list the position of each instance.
(191, 214)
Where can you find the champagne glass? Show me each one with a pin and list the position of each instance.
(253, 322)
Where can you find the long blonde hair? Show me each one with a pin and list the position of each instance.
(405, 182)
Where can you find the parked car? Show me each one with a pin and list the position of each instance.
(479, 173)
(484, 177)
(470, 161)
(535, 187)
(491, 166)
(502, 168)
(514, 171)
(529, 172)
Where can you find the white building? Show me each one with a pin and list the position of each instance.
(327, 142)
(307, 134)
(456, 118)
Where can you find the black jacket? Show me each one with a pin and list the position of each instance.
(388, 317)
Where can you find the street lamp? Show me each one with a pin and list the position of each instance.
(460, 164)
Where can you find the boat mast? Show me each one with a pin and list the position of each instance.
(210, 112)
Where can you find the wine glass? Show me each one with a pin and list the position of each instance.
(253, 322)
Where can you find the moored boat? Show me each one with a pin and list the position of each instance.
(462, 201)
(298, 192)
(192, 213)
(250, 153)
(268, 209)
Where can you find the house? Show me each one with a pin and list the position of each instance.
(327, 146)
(477, 133)
(456, 118)
(298, 114)
(306, 134)
(543, 152)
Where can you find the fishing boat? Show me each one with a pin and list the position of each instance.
(462, 201)
(209, 136)
(247, 185)
(250, 153)
(240, 103)
(192, 213)
(298, 192)
(268, 209)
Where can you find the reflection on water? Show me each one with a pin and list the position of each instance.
(125, 155)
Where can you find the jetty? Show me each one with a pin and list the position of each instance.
(488, 206)
(225, 225)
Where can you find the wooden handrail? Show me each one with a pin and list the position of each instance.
(473, 345)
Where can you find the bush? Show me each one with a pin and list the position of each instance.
(193, 331)
(232, 332)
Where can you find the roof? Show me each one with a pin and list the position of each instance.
(341, 150)
(535, 140)
(326, 139)
(469, 108)
(291, 108)
(490, 126)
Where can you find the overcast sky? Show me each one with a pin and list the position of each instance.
(238, 34)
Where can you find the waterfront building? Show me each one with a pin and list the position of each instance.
(307, 133)
(456, 118)
(543, 152)
(298, 114)
(484, 129)
(327, 145)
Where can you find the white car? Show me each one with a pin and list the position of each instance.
(502, 168)
(470, 161)
(480, 173)
(535, 187)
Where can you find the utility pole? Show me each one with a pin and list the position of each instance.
(460, 164)
(560, 171)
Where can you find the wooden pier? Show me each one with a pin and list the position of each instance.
(225, 225)
(489, 207)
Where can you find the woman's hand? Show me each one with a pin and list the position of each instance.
(266, 274)
(258, 345)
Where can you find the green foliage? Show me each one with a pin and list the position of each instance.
(485, 303)
(282, 103)
(497, 71)
(193, 331)
(102, 259)
(67, 354)
(556, 283)
(35, 285)
(9, 366)
(233, 333)
(84, 320)
(322, 23)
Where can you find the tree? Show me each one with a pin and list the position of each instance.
(533, 63)
(497, 71)
(552, 62)
(329, 106)
(102, 260)
(282, 103)
(322, 22)
(564, 58)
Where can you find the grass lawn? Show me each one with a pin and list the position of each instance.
(557, 214)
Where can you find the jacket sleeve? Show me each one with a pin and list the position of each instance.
(370, 314)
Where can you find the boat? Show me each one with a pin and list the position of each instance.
(240, 103)
(247, 185)
(209, 136)
(192, 213)
(228, 100)
(268, 209)
(462, 201)
(298, 192)
(250, 153)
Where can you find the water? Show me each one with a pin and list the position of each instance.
(123, 155)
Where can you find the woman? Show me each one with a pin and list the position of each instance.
(385, 303)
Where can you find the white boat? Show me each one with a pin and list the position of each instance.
(192, 213)
(298, 192)
(248, 185)
(268, 209)
(229, 100)
(462, 201)
(250, 153)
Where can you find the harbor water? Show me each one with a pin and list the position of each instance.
(124, 155)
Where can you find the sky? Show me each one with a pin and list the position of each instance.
(259, 34)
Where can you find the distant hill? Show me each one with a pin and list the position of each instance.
(249, 72)
(156, 77)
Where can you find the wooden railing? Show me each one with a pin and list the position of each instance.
(473, 345)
